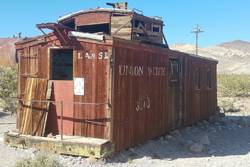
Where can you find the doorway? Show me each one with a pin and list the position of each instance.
(175, 113)
(61, 78)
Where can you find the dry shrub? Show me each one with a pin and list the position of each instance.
(230, 85)
(8, 88)
(41, 160)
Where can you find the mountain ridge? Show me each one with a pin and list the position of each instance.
(233, 56)
(7, 50)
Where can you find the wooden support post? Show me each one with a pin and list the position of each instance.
(61, 120)
(31, 105)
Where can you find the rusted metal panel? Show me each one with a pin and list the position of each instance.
(140, 93)
(92, 109)
(62, 91)
(146, 106)
(200, 102)
(92, 18)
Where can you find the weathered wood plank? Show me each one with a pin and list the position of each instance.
(34, 114)
(122, 36)
(122, 30)
(71, 145)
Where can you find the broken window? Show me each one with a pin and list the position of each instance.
(96, 28)
(209, 78)
(174, 70)
(70, 24)
(62, 64)
(139, 24)
(197, 78)
(156, 28)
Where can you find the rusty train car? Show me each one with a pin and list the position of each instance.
(115, 77)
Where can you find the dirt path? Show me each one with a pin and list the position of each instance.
(225, 142)
(8, 156)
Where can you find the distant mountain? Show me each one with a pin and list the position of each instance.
(239, 45)
(233, 57)
(7, 50)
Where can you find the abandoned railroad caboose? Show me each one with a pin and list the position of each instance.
(106, 79)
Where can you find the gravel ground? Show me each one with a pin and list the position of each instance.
(225, 142)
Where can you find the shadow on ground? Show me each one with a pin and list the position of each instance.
(4, 114)
(229, 135)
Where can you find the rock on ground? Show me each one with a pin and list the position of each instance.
(196, 148)
(205, 140)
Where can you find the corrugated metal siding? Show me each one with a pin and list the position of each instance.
(172, 104)
(200, 103)
(140, 99)
(92, 64)
(62, 91)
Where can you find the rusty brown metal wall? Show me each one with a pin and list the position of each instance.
(92, 18)
(62, 91)
(140, 93)
(147, 106)
(199, 103)
(92, 62)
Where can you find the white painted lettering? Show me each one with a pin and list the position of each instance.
(143, 103)
(125, 70)
(103, 55)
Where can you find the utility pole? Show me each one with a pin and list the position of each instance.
(197, 31)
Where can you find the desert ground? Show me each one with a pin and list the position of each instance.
(220, 141)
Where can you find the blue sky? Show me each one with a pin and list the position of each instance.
(222, 20)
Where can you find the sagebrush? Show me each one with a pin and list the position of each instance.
(8, 88)
(41, 160)
(234, 85)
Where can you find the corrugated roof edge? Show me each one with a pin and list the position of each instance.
(205, 58)
(198, 56)
(62, 18)
(31, 39)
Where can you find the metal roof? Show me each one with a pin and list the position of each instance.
(62, 18)
(116, 10)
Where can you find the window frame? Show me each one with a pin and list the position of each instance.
(174, 75)
(156, 26)
(197, 78)
(50, 72)
(209, 78)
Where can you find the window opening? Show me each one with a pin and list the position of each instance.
(97, 28)
(156, 28)
(174, 70)
(197, 78)
(62, 64)
(209, 78)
